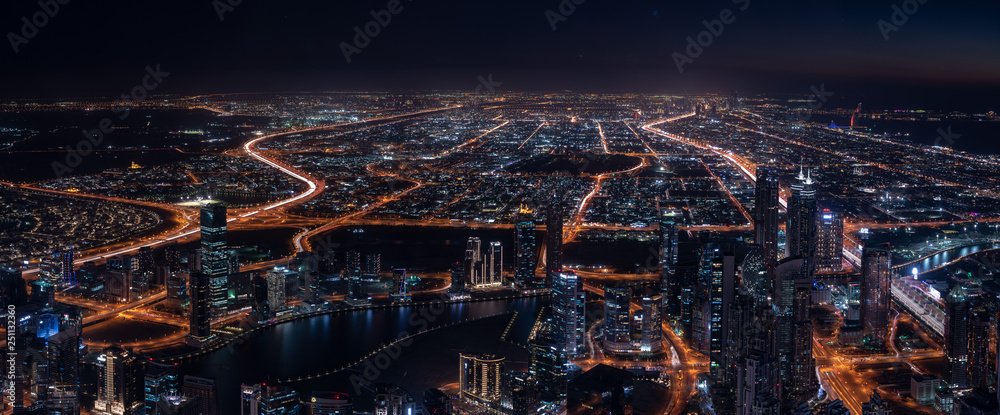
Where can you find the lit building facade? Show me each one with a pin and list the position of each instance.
(526, 251)
(876, 295)
(215, 261)
(479, 379)
(829, 241)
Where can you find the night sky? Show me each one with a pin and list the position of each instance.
(949, 49)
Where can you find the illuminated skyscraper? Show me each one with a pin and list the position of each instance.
(494, 264)
(50, 270)
(201, 305)
(276, 295)
(669, 286)
(214, 253)
(549, 362)
(829, 241)
(120, 391)
(57, 269)
(980, 375)
(956, 337)
(801, 228)
(876, 277)
(307, 267)
(473, 269)
(553, 241)
(160, 379)
(718, 268)
(518, 393)
(63, 377)
(791, 275)
(753, 275)
(617, 320)
(525, 250)
(479, 379)
(569, 311)
(803, 366)
(651, 328)
(766, 206)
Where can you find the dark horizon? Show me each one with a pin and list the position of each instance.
(951, 50)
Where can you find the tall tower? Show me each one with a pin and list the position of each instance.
(669, 287)
(566, 289)
(876, 280)
(214, 254)
(719, 271)
(956, 337)
(473, 262)
(201, 306)
(617, 320)
(276, 296)
(766, 207)
(829, 241)
(121, 382)
(979, 349)
(651, 329)
(801, 227)
(494, 264)
(63, 352)
(525, 250)
(790, 274)
(549, 362)
(553, 241)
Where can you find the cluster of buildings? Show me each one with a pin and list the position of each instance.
(751, 315)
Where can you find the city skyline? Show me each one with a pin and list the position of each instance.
(564, 207)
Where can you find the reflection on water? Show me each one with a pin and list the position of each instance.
(947, 256)
(309, 346)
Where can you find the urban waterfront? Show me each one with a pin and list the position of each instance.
(505, 208)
